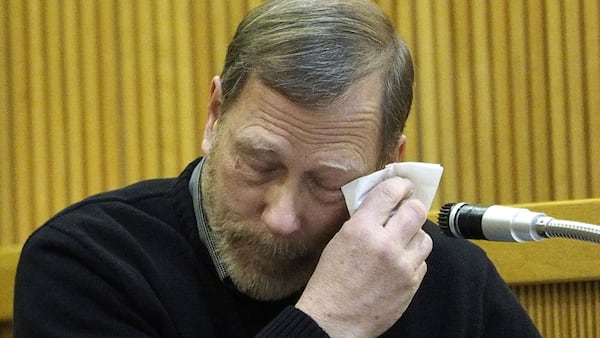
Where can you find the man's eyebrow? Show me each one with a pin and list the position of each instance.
(341, 166)
(259, 146)
(254, 145)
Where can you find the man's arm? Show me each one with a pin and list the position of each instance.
(65, 289)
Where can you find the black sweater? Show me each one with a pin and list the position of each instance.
(129, 263)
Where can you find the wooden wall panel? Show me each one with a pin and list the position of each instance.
(7, 214)
(563, 310)
(591, 54)
(537, 80)
(95, 95)
(480, 71)
(518, 120)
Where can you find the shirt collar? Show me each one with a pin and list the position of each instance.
(204, 231)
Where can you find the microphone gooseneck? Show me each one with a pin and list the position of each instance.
(507, 224)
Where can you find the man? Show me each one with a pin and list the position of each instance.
(255, 238)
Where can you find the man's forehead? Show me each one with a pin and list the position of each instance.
(367, 88)
(347, 136)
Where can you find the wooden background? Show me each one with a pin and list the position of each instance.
(98, 94)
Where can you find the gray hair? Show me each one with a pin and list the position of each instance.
(313, 51)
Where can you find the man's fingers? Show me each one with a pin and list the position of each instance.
(420, 245)
(383, 199)
(407, 220)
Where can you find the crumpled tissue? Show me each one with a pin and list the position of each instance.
(425, 176)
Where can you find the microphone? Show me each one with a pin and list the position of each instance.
(508, 224)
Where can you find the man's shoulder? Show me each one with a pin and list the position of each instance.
(150, 196)
(142, 214)
(116, 217)
(140, 198)
(450, 245)
(455, 258)
(125, 249)
(134, 193)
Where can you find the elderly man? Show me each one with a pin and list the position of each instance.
(255, 238)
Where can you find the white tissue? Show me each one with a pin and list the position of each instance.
(425, 176)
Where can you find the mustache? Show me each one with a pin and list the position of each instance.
(266, 243)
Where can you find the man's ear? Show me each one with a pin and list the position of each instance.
(214, 112)
(397, 154)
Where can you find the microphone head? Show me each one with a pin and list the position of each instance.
(444, 219)
(492, 223)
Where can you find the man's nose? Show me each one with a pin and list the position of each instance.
(282, 209)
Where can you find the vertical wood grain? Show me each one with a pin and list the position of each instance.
(38, 114)
(445, 109)
(501, 95)
(563, 310)
(219, 32)
(405, 22)
(519, 129)
(537, 104)
(128, 97)
(110, 121)
(20, 132)
(88, 55)
(556, 86)
(57, 168)
(186, 125)
(74, 110)
(146, 43)
(591, 55)
(167, 110)
(465, 128)
(426, 92)
(483, 103)
(7, 214)
(576, 148)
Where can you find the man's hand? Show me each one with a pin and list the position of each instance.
(372, 268)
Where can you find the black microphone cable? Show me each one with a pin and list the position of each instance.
(508, 224)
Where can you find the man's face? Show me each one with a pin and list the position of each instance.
(271, 181)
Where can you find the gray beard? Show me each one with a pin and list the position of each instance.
(259, 264)
(264, 271)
